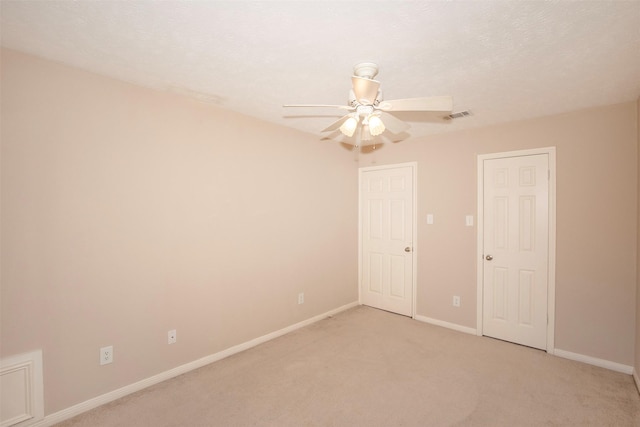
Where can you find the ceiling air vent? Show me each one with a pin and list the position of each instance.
(458, 115)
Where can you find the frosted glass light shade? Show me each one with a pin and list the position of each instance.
(365, 135)
(376, 127)
(349, 126)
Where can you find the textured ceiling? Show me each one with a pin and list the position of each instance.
(503, 60)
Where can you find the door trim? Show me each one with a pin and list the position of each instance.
(414, 237)
(551, 279)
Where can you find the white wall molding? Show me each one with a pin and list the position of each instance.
(454, 326)
(78, 409)
(21, 375)
(602, 363)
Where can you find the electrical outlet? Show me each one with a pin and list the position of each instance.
(172, 337)
(106, 355)
(301, 298)
(456, 301)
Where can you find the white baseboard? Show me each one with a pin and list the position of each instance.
(607, 364)
(78, 409)
(455, 327)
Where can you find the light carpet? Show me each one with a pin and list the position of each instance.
(367, 367)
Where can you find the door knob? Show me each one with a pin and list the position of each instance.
(407, 249)
(489, 257)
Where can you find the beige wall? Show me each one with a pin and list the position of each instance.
(637, 359)
(596, 222)
(128, 212)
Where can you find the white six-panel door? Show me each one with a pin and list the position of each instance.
(516, 240)
(386, 232)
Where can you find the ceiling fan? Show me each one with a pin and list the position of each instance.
(369, 114)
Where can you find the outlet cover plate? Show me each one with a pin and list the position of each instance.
(106, 355)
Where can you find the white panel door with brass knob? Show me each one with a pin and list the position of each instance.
(515, 254)
(387, 200)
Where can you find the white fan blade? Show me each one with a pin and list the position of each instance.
(392, 123)
(365, 89)
(434, 103)
(336, 125)
(342, 107)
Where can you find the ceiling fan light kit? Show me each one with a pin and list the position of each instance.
(349, 126)
(376, 127)
(370, 114)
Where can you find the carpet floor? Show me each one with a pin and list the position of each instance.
(366, 367)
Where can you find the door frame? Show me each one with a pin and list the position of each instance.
(414, 237)
(551, 279)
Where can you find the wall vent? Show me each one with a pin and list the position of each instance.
(21, 390)
(458, 115)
